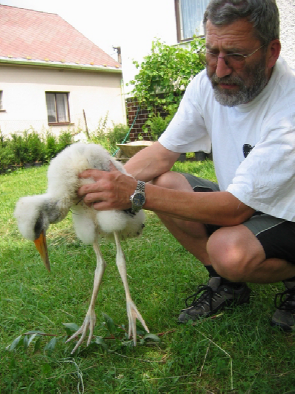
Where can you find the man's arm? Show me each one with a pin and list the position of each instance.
(219, 208)
(112, 190)
(151, 162)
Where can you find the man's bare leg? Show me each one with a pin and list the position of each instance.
(233, 253)
(191, 235)
(238, 255)
(194, 238)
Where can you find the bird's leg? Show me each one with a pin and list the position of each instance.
(132, 311)
(90, 318)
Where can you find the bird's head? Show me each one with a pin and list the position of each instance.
(34, 215)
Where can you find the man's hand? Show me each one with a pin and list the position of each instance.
(110, 190)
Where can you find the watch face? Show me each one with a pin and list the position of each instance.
(138, 200)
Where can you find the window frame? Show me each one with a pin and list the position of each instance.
(1, 102)
(179, 24)
(67, 108)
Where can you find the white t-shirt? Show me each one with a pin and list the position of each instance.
(264, 180)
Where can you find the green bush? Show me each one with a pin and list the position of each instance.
(19, 149)
(65, 139)
(162, 79)
(6, 156)
(34, 147)
(50, 147)
(118, 134)
(110, 137)
(30, 147)
(53, 145)
(156, 125)
(165, 73)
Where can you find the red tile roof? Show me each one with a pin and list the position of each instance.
(42, 37)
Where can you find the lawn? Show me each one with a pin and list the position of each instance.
(237, 351)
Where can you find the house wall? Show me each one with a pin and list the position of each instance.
(24, 103)
(137, 117)
(287, 22)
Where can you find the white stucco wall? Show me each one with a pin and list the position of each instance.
(287, 21)
(24, 100)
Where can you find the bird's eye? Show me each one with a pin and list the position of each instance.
(38, 227)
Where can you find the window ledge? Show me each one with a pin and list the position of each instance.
(61, 124)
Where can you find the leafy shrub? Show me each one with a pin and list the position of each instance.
(34, 147)
(165, 73)
(118, 134)
(65, 139)
(110, 137)
(50, 147)
(162, 79)
(30, 147)
(6, 156)
(156, 125)
(19, 150)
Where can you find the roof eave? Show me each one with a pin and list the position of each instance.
(59, 65)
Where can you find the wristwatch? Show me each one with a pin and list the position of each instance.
(138, 197)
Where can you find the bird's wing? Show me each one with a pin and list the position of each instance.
(84, 223)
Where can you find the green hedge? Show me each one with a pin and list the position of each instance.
(30, 147)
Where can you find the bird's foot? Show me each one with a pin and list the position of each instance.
(133, 314)
(89, 323)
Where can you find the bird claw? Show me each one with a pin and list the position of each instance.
(133, 314)
(90, 320)
(89, 323)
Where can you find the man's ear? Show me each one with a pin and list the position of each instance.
(273, 53)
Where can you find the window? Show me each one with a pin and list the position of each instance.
(189, 18)
(1, 100)
(57, 107)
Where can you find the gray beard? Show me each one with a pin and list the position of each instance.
(245, 93)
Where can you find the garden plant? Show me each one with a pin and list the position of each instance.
(162, 78)
(29, 147)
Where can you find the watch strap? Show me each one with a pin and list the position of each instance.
(140, 186)
(140, 190)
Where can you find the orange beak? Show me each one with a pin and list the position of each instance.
(41, 246)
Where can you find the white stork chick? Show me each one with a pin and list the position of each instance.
(34, 214)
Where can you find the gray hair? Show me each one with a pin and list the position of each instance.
(263, 14)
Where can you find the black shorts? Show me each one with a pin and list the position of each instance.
(277, 236)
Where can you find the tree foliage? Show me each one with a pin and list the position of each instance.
(165, 73)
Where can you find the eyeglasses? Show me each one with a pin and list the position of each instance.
(231, 59)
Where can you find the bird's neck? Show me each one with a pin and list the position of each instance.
(56, 208)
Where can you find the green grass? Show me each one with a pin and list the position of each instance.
(236, 349)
